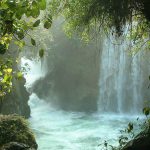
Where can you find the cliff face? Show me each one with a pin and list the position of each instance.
(17, 101)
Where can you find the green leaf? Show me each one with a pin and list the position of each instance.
(34, 4)
(21, 44)
(41, 53)
(35, 12)
(47, 24)
(33, 42)
(146, 111)
(36, 23)
(130, 127)
(28, 12)
(49, 18)
(42, 4)
(9, 70)
(20, 12)
(19, 75)
(11, 3)
(3, 6)
(2, 48)
(20, 33)
(7, 78)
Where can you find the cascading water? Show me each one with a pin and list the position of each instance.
(120, 80)
(33, 70)
(122, 86)
(120, 77)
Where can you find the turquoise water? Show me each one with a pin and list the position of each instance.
(60, 130)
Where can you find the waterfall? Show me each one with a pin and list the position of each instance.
(123, 78)
(121, 90)
(33, 70)
(120, 80)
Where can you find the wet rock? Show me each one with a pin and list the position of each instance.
(16, 102)
(16, 146)
(140, 142)
(15, 134)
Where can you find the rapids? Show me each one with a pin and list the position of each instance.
(61, 130)
(119, 102)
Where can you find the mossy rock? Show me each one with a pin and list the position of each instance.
(14, 128)
(140, 142)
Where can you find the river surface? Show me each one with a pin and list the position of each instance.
(61, 130)
(56, 129)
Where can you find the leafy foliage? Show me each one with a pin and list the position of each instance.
(5, 77)
(129, 18)
(146, 111)
(17, 18)
(111, 13)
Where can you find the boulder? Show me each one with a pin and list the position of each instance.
(140, 142)
(16, 146)
(15, 134)
(16, 102)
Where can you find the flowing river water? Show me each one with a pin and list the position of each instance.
(65, 130)
(123, 81)
(61, 130)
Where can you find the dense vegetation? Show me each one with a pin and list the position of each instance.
(17, 19)
(127, 18)
(15, 129)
